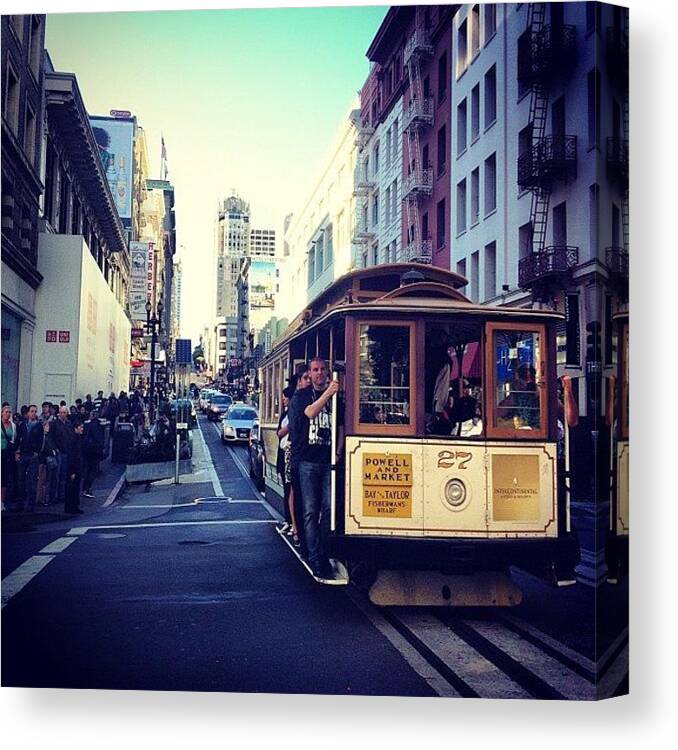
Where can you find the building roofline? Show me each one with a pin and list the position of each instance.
(65, 108)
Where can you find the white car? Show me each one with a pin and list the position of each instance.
(237, 423)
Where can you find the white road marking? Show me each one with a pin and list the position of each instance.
(429, 674)
(472, 667)
(614, 675)
(550, 670)
(207, 456)
(77, 531)
(114, 492)
(556, 645)
(21, 576)
(58, 545)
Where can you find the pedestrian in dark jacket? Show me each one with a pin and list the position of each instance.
(88, 404)
(29, 446)
(112, 411)
(61, 434)
(93, 452)
(99, 402)
(123, 406)
(75, 463)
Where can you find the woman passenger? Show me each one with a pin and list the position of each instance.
(8, 467)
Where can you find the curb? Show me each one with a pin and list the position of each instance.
(116, 491)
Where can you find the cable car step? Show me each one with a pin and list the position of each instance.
(340, 572)
(408, 588)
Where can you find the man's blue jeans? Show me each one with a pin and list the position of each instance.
(315, 493)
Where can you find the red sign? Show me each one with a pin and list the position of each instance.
(51, 337)
(64, 337)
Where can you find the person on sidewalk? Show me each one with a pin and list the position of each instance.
(74, 451)
(62, 432)
(88, 404)
(8, 469)
(93, 453)
(310, 422)
(29, 445)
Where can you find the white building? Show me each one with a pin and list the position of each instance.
(318, 237)
(377, 235)
(176, 300)
(540, 175)
(232, 244)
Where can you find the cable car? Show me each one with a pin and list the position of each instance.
(447, 470)
(617, 547)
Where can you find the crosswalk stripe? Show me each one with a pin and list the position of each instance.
(545, 667)
(614, 675)
(23, 575)
(485, 678)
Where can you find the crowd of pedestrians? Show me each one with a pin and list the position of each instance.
(53, 457)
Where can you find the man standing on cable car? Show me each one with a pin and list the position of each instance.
(310, 423)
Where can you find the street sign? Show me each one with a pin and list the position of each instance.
(184, 353)
(182, 425)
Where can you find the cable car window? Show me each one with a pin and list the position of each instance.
(384, 382)
(517, 398)
(453, 376)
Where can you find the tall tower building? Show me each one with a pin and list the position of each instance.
(233, 240)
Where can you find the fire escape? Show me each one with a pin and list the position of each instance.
(617, 152)
(363, 187)
(544, 51)
(417, 117)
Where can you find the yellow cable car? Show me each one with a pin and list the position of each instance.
(448, 466)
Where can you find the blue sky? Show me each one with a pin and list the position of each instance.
(246, 99)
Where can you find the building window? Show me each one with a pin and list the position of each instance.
(525, 240)
(616, 226)
(387, 206)
(375, 159)
(388, 147)
(394, 142)
(10, 106)
(440, 223)
(490, 96)
(375, 209)
(572, 335)
(490, 21)
(475, 31)
(64, 218)
(475, 272)
(475, 196)
(490, 184)
(329, 247)
(461, 206)
(442, 77)
(593, 108)
(461, 267)
(525, 140)
(442, 150)
(560, 225)
(475, 112)
(35, 49)
(490, 270)
(311, 265)
(461, 127)
(462, 48)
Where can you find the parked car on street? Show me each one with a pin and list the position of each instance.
(205, 397)
(237, 423)
(220, 403)
(257, 457)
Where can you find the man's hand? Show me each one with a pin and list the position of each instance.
(332, 388)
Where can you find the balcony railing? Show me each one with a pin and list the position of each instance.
(364, 185)
(543, 53)
(363, 136)
(418, 183)
(617, 159)
(550, 266)
(617, 260)
(553, 157)
(420, 251)
(362, 232)
(418, 44)
(617, 52)
(419, 114)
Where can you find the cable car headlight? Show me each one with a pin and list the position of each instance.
(455, 492)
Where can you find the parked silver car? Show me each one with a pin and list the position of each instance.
(237, 423)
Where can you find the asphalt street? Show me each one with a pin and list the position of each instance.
(189, 587)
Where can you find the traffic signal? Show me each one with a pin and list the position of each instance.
(593, 342)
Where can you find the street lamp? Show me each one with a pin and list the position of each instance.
(154, 327)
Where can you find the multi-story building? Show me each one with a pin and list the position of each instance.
(378, 175)
(22, 187)
(176, 300)
(318, 237)
(82, 328)
(413, 51)
(540, 186)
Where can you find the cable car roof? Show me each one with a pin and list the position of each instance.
(387, 289)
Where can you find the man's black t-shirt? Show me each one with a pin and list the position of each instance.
(311, 438)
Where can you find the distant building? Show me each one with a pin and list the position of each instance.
(176, 300)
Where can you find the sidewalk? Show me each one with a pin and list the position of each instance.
(107, 486)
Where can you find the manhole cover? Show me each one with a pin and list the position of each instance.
(195, 541)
